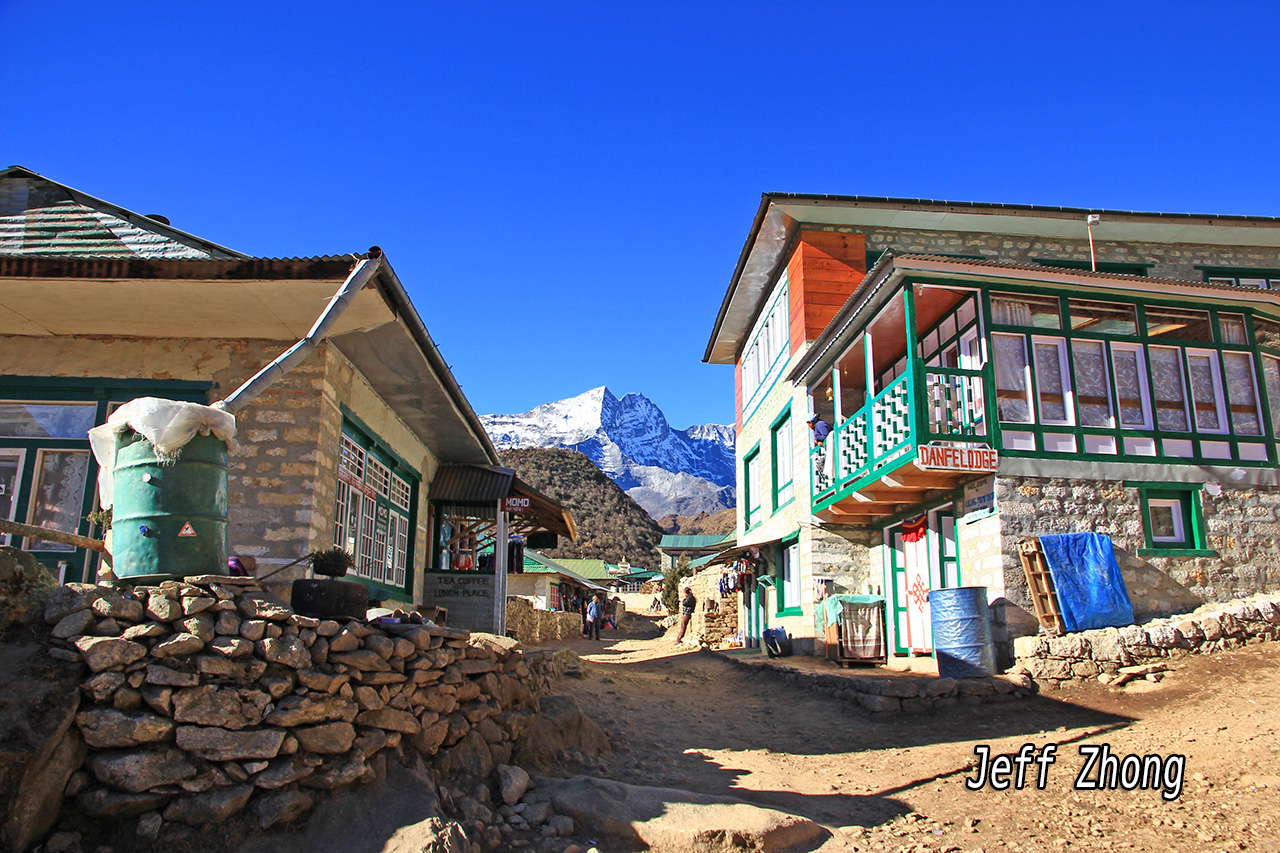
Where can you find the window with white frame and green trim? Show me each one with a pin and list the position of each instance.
(374, 511)
(751, 486)
(1113, 377)
(782, 452)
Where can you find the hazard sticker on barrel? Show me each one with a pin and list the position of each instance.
(187, 530)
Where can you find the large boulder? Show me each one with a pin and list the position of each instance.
(39, 748)
(559, 725)
(670, 819)
(25, 586)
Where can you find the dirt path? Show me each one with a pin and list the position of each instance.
(897, 783)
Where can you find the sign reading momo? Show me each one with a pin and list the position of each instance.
(516, 503)
(956, 457)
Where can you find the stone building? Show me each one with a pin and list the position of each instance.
(99, 305)
(992, 372)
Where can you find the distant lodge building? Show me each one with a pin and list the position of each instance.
(672, 547)
(368, 445)
(992, 372)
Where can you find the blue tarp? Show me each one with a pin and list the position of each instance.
(1091, 591)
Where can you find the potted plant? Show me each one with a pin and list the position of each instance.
(332, 563)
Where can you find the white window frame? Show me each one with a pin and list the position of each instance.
(20, 454)
(1187, 412)
(1144, 385)
(1176, 505)
(375, 533)
(768, 342)
(1220, 396)
(1026, 371)
(1257, 393)
(1064, 371)
(755, 502)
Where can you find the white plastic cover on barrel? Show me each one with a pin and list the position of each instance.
(167, 424)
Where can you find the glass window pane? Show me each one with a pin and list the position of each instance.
(10, 469)
(1012, 389)
(1242, 392)
(1093, 391)
(1166, 521)
(46, 420)
(1108, 318)
(59, 493)
(1185, 324)
(1169, 391)
(1130, 387)
(1204, 392)
(1232, 326)
(1271, 378)
(1049, 382)
(1019, 309)
(1267, 332)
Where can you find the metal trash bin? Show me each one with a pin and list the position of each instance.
(962, 641)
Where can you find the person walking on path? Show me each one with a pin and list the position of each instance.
(687, 605)
(595, 615)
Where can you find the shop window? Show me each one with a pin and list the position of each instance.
(373, 512)
(783, 452)
(1173, 519)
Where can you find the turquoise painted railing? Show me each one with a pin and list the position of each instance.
(893, 423)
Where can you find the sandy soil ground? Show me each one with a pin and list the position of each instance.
(697, 721)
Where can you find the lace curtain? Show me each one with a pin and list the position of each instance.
(1170, 392)
(1011, 378)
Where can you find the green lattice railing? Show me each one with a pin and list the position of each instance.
(894, 422)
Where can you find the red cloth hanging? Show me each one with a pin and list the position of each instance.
(915, 529)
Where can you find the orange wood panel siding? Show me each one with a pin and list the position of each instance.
(823, 271)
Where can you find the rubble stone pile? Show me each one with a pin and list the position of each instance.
(205, 698)
(1116, 655)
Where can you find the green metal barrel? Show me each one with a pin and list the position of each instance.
(169, 519)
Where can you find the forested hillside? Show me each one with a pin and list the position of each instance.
(611, 526)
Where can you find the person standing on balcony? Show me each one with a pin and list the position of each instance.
(821, 429)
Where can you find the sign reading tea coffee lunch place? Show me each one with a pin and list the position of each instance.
(956, 457)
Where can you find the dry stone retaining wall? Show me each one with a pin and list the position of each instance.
(205, 697)
(1114, 655)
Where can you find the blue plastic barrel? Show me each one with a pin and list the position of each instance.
(962, 632)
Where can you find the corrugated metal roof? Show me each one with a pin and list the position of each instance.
(594, 569)
(675, 541)
(471, 484)
(535, 562)
(40, 216)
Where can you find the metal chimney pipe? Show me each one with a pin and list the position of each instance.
(290, 358)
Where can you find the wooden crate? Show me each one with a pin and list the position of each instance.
(1040, 585)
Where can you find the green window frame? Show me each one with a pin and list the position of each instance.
(782, 456)
(751, 488)
(375, 508)
(1106, 424)
(1172, 520)
(33, 436)
(1262, 278)
(1103, 266)
(789, 580)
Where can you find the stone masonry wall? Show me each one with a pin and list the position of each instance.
(1171, 260)
(1242, 526)
(205, 698)
(717, 615)
(1116, 655)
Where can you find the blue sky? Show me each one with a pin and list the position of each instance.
(565, 188)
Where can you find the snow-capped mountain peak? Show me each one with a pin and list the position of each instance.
(631, 441)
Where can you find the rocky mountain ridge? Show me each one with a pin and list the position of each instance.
(665, 470)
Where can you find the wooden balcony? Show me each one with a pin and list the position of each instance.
(871, 467)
